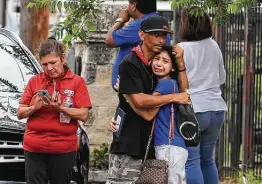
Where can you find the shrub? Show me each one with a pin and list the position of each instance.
(99, 157)
(250, 177)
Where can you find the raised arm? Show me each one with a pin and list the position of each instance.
(182, 77)
(131, 85)
(118, 33)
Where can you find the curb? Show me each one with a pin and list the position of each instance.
(97, 176)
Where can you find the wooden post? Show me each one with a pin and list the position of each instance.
(3, 16)
(34, 25)
(248, 84)
(219, 31)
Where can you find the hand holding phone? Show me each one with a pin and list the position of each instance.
(43, 93)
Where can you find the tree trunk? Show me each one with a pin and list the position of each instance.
(3, 13)
(34, 25)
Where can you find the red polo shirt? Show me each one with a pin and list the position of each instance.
(44, 131)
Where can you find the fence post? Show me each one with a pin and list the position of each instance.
(219, 156)
(247, 118)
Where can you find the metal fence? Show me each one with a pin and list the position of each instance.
(239, 148)
(240, 144)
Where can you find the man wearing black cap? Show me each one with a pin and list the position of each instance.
(126, 36)
(137, 82)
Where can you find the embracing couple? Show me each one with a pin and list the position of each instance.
(152, 77)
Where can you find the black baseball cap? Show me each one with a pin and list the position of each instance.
(155, 24)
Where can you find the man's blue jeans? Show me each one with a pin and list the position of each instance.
(200, 166)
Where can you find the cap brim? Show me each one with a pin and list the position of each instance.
(157, 30)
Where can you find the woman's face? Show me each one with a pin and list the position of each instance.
(53, 65)
(162, 65)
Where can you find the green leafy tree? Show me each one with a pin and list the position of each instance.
(79, 20)
(222, 8)
(82, 13)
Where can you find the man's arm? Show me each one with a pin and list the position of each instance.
(132, 85)
(141, 100)
(120, 22)
(147, 114)
(109, 41)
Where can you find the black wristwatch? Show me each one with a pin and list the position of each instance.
(184, 69)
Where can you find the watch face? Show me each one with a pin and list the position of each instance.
(119, 20)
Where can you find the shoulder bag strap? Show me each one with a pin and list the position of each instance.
(171, 131)
(149, 142)
(172, 117)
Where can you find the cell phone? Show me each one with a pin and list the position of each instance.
(44, 93)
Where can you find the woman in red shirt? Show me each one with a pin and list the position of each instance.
(50, 139)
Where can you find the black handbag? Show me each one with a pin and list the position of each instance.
(188, 125)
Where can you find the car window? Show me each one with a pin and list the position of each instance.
(15, 67)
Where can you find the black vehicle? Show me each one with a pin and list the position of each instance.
(17, 66)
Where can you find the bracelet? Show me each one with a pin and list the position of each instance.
(184, 69)
(119, 20)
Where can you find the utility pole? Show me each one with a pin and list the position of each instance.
(34, 25)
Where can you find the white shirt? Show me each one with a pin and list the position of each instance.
(205, 71)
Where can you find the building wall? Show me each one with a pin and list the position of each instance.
(97, 62)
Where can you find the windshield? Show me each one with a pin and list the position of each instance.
(15, 67)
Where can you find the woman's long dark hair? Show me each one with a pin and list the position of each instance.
(195, 24)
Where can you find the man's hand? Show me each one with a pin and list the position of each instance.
(181, 98)
(179, 54)
(116, 86)
(113, 127)
(124, 15)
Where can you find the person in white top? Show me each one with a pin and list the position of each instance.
(205, 72)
